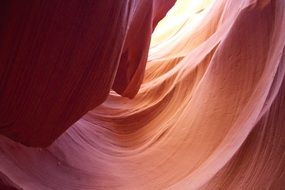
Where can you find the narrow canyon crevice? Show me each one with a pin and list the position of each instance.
(142, 94)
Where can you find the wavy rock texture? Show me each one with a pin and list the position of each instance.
(59, 60)
(209, 114)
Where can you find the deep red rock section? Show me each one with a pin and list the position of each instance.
(59, 59)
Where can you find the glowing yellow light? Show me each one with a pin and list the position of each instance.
(183, 11)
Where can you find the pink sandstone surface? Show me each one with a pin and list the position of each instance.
(99, 95)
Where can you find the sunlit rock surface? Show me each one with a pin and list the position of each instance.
(207, 107)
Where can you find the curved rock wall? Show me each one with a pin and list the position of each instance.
(209, 114)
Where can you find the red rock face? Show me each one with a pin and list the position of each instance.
(201, 106)
(59, 60)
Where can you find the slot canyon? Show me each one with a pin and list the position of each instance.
(142, 95)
